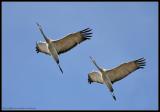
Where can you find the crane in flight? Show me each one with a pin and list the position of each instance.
(56, 47)
(108, 77)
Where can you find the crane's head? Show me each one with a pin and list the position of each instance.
(89, 79)
(95, 77)
(37, 49)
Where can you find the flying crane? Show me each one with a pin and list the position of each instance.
(56, 47)
(108, 77)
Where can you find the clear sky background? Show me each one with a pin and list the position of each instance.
(122, 32)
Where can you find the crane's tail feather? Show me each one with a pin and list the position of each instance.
(60, 68)
(114, 97)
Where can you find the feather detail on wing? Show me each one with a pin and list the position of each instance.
(42, 47)
(125, 69)
(70, 41)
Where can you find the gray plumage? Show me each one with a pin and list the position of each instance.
(111, 76)
(56, 47)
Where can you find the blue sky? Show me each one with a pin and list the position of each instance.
(122, 32)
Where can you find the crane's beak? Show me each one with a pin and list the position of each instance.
(89, 79)
(37, 50)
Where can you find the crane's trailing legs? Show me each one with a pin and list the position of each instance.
(60, 68)
(114, 97)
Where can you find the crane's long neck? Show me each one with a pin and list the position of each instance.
(40, 28)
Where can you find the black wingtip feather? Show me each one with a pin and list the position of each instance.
(87, 38)
(86, 33)
(141, 62)
(86, 30)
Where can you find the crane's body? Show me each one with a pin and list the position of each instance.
(108, 77)
(56, 47)
(51, 48)
(105, 78)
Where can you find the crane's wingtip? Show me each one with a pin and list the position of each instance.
(141, 62)
(86, 33)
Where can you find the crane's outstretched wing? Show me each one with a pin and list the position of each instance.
(70, 41)
(125, 69)
(42, 47)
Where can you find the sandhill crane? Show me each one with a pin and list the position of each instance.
(57, 47)
(108, 77)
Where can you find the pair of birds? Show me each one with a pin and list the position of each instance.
(108, 77)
